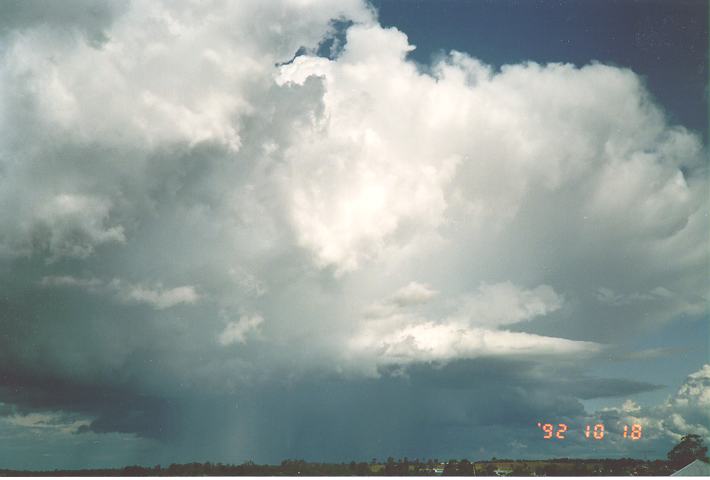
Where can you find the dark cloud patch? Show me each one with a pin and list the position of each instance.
(416, 414)
(590, 388)
(111, 409)
(145, 416)
(647, 354)
(478, 410)
(91, 18)
(446, 406)
(568, 379)
(6, 409)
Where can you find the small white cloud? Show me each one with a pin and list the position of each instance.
(413, 294)
(505, 303)
(248, 282)
(48, 421)
(237, 332)
(73, 225)
(70, 281)
(410, 295)
(630, 406)
(610, 297)
(158, 298)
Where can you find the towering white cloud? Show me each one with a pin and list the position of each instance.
(362, 162)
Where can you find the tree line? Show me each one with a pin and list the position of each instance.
(690, 447)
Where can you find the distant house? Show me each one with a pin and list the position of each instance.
(503, 472)
(697, 468)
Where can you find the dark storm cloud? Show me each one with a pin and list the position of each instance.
(413, 415)
(333, 418)
(472, 409)
(441, 409)
(567, 380)
(606, 387)
(109, 408)
(6, 409)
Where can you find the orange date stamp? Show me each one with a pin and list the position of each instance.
(595, 432)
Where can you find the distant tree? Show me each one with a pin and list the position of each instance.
(581, 469)
(391, 468)
(659, 468)
(362, 469)
(404, 467)
(690, 448)
(451, 468)
(465, 468)
(551, 470)
(520, 469)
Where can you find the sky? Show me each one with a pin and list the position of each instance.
(339, 230)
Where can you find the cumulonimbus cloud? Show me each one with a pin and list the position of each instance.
(373, 213)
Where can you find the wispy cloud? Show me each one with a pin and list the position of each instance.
(157, 297)
(237, 332)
